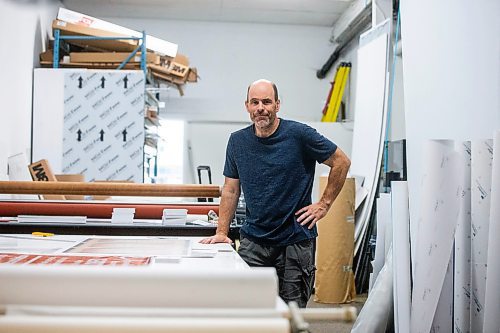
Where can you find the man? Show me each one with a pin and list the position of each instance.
(273, 161)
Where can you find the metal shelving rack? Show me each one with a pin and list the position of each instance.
(142, 47)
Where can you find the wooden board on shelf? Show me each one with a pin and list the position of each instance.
(95, 65)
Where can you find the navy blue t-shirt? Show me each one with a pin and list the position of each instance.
(276, 176)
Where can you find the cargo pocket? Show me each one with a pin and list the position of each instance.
(306, 255)
(308, 274)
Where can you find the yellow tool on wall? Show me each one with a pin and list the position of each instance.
(331, 110)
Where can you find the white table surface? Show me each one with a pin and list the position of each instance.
(224, 255)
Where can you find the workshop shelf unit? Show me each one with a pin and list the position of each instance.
(151, 123)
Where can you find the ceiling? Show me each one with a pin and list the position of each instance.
(301, 12)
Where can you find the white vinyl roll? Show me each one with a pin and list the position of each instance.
(482, 157)
(401, 252)
(168, 286)
(443, 317)
(492, 299)
(375, 313)
(440, 206)
(461, 304)
(37, 324)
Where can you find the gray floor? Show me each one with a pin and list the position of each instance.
(334, 327)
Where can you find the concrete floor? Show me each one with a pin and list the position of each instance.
(334, 327)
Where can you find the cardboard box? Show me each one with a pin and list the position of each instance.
(167, 77)
(47, 56)
(177, 69)
(172, 68)
(40, 171)
(79, 178)
(192, 75)
(111, 57)
(119, 45)
(181, 59)
(152, 43)
(179, 72)
(175, 81)
(335, 248)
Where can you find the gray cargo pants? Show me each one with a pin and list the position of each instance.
(294, 265)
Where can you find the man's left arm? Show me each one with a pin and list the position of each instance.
(339, 164)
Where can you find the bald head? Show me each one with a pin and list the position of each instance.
(260, 81)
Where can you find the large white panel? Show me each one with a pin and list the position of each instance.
(401, 246)
(103, 130)
(102, 106)
(370, 119)
(442, 190)
(492, 301)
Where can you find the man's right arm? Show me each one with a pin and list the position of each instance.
(228, 202)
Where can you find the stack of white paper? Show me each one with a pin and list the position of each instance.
(174, 216)
(51, 219)
(123, 215)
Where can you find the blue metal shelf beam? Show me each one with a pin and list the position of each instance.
(141, 47)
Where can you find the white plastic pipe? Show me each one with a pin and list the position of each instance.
(31, 324)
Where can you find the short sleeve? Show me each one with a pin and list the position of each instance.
(317, 146)
(230, 167)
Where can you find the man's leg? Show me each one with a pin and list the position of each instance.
(257, 255)
(299, 272)
(254, 254)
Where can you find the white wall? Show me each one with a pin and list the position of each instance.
(451, 75)
(22, 29)
(229, 56)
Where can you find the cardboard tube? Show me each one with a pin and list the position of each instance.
(113, 189)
